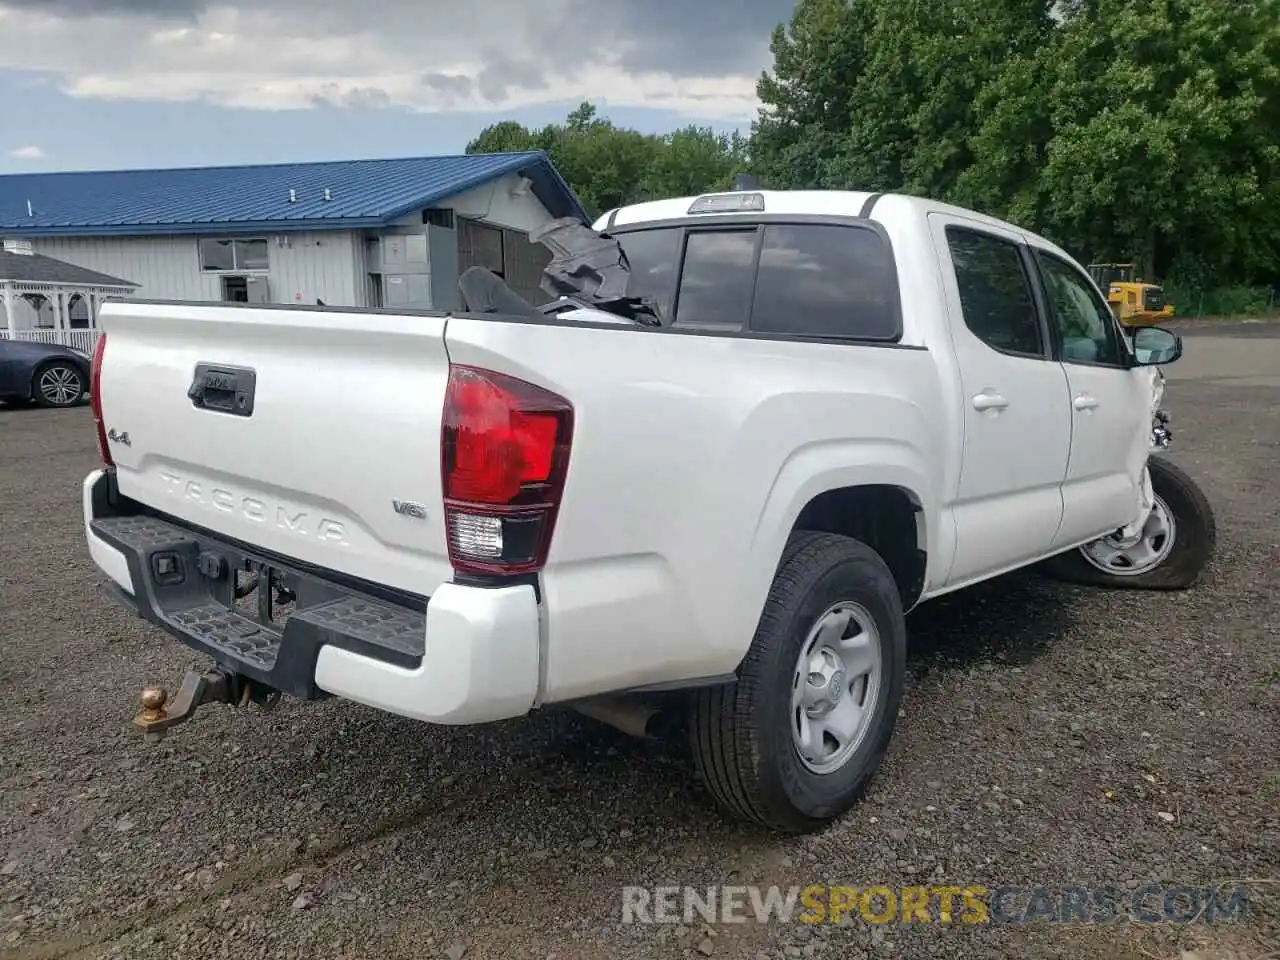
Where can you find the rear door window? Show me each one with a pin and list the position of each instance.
(995, 294)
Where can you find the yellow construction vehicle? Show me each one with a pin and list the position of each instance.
(1134, 303)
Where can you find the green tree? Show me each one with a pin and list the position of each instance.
(506, 137)
(1121, 128)
(608, 166)
(807, 101)
(1165, 134)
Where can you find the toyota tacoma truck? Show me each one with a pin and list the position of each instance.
(748, 434)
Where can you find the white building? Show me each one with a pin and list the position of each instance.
(363, 233)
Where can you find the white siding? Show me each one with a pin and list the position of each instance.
(493, 203)
(165, 268)
(304, 267)
(314, 266)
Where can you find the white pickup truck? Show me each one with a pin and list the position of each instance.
(754, 431)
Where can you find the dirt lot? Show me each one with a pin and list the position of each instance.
(1050, 736)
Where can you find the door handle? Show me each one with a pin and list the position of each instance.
(1084, 402)
(989, 400)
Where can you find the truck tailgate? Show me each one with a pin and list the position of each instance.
(329, 453)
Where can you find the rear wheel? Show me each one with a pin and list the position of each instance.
(1175, 544)
(795, 741)
(58, 384)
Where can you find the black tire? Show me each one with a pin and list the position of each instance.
(741, 733)
(58, 384)
(1195, 537)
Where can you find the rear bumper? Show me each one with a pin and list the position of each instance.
(468, 655)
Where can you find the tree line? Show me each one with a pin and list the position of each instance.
(1125, 130)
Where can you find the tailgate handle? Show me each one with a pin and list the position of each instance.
(223, 389)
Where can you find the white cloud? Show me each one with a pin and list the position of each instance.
(31, 152)
(430, 57)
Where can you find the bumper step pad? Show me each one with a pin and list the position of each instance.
(172, 592)
(237, 636)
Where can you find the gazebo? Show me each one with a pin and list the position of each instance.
(51, 301)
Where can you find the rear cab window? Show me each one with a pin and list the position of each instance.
(816, 280)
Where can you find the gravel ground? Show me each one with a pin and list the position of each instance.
(1046, 730)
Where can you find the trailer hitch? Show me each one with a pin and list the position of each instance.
(159, 713)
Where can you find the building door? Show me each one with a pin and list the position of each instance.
(246, 290)
(235, 290)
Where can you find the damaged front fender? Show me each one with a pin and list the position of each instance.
(1160, 438)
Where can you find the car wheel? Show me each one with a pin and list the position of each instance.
(1175, 545)
(795, 741)
(58, 384)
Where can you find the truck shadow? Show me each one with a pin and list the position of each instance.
(1012, 619)
(1007, 621)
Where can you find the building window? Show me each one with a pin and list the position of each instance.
(224, 255)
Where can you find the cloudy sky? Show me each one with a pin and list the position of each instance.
(88, 84)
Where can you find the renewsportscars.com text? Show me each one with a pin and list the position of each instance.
(970, 904)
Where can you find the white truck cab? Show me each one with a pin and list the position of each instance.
(768, 425)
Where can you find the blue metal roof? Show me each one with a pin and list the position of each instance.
(363, 193)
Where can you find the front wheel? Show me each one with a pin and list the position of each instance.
(794, 742)
(58, 384)
(1175, 545)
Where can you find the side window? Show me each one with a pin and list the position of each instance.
(717, 280)
(1083, 324)
(654, 257)
(995, 294)
(825, 281)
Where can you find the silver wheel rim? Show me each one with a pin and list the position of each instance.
(835, 687)
(60, 386)
(1131, 558)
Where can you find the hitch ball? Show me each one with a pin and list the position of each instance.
(151, 718)
(153, 701)
(158, 712)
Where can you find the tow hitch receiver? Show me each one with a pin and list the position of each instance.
(159, 713)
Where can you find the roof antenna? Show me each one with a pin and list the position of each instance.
(327, 194)
(30, 212)
(293, 196)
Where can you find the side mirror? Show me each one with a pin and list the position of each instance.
(1153, 346)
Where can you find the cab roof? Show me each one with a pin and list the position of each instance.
(832, 203)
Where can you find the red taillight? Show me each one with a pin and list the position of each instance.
(95, 398)
(504, 457)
